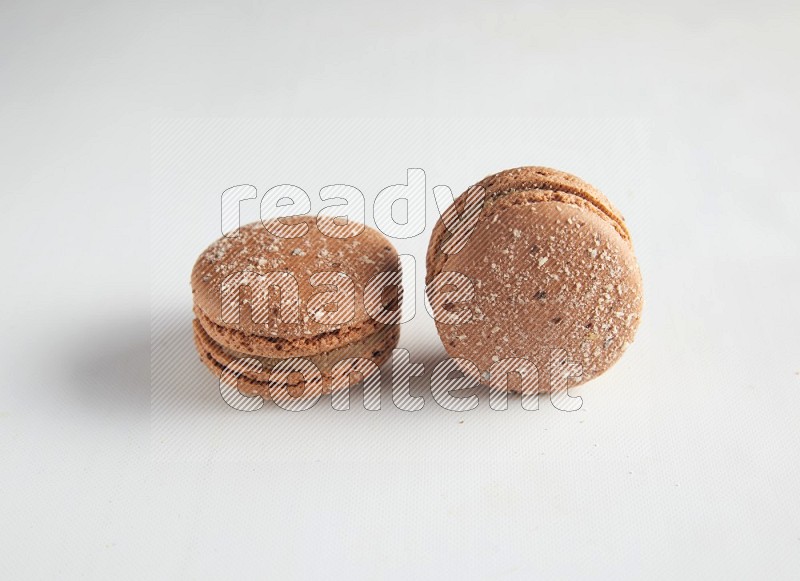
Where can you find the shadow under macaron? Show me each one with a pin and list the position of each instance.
(110, 374)
(129, 367)
(107, 367)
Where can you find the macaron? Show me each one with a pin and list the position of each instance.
(265, 302)
(551, 271)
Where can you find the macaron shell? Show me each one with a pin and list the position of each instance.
(258, 251)
(534, 184)
(563, 271)
(545, 178)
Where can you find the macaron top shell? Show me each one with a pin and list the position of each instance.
(256, 252)
(534, 183)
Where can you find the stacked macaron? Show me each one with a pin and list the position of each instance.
(267, 299)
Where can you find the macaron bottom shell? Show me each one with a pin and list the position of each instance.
(254, 379)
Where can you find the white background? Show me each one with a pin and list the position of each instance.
(683, 460)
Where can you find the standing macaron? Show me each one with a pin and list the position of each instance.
(552, 270)
(311, 297)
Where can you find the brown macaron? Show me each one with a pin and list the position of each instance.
(309, 298)
(551, 267)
